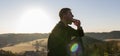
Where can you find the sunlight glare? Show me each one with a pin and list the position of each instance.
(34, 20)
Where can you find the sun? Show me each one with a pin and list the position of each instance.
(34, 20)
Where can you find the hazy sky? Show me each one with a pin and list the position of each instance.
(40, 16)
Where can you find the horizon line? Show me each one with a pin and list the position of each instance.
(50, 32)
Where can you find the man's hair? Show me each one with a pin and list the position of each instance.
(63, 11)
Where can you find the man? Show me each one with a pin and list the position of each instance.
(62, 34)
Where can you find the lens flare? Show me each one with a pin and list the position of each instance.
(74, 47)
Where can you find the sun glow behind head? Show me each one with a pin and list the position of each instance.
(74, 47)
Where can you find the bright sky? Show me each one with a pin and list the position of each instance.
(40, 16)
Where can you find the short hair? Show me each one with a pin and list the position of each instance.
(63, 11)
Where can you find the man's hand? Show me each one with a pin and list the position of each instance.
(77, 22)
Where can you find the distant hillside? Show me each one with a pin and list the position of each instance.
(89, 40)
(105, 35)
(27, 46)
(12, 39)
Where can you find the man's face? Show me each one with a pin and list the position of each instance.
(69, 17)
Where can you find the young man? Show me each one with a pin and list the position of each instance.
(62, 34)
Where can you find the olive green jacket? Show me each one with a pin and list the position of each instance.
(60, 37)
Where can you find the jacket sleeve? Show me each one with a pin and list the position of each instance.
(78, 33)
